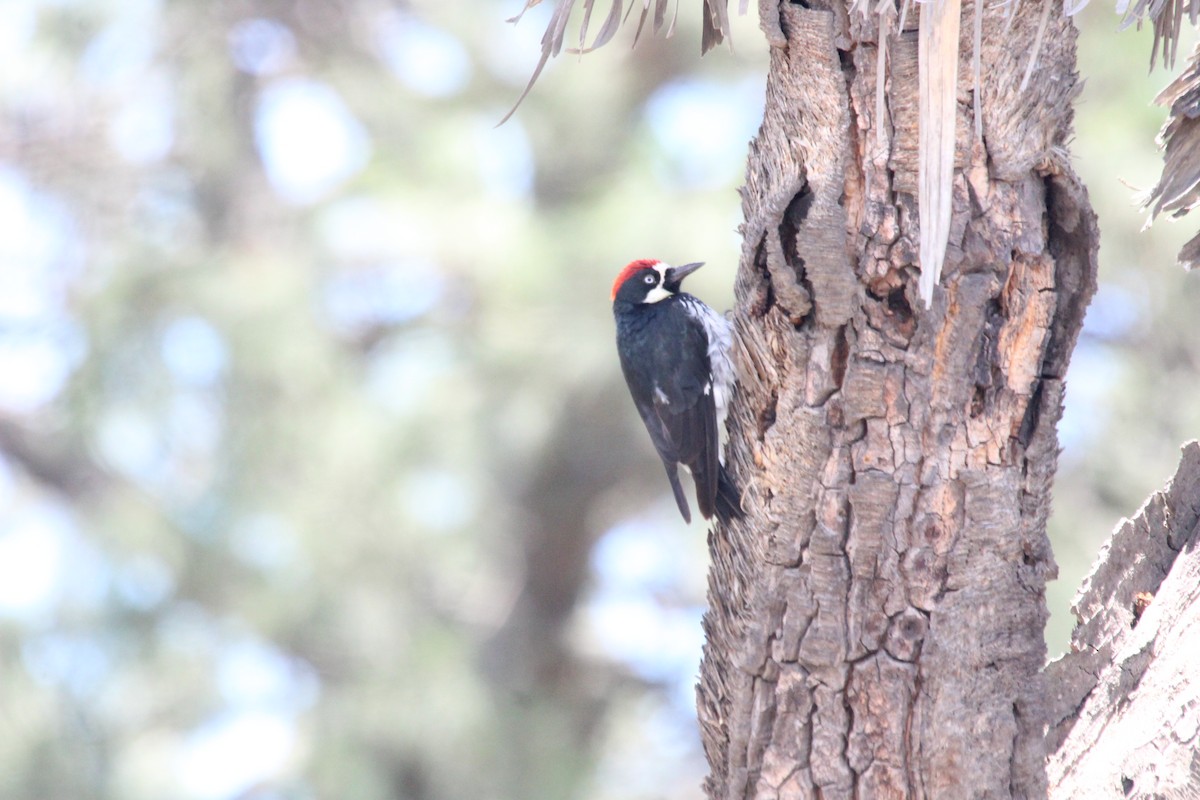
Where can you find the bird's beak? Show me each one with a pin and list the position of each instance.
(675, 275)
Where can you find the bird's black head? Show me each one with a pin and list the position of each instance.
(649, 281)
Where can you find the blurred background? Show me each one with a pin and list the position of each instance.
(317, 475)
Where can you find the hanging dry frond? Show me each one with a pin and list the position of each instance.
(1178, 190)
(607, 30)
(528, 5)
(715, 29)
(552, 41)
(937, 85)
(1167, 18)
(716, 24)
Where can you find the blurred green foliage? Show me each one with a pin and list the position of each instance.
(318, 477)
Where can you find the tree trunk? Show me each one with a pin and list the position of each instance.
(875, 623)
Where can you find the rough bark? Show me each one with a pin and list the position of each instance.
(1124, 704)
(875, 623)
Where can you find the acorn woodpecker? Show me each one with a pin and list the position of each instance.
(675, 353)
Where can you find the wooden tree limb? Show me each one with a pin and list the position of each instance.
(1124, 719)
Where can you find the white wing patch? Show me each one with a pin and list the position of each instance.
(720, 346)
(661, 396)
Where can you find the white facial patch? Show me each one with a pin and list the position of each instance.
(658, 293)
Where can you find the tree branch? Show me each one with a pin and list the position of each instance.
(1125, 705)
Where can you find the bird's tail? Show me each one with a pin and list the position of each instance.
(677, 489)
(729, 503)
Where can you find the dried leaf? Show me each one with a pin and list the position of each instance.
(641, 22)
(1171, 47)
(1167, 18)
(1178, 189)
(709, 36)
(716, 29)
(612, 23)
(551, 45)
(660, 14)
(716, 24)
(528, 5)
(609, 28)
(674, 19)
(1073, 7)
(588, 5)
(1189, 255)
(1182, 95)
(552, 39)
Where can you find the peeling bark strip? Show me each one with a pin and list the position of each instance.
(875, 624)
(1125, 713)
(937, 85)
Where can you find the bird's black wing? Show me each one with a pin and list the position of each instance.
(707, 467)
(663, 427)
(679, 411)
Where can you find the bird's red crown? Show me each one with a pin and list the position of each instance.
(629, 269)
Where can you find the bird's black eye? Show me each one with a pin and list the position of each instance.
(649, 279)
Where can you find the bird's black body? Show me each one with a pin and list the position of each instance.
(667, 341)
